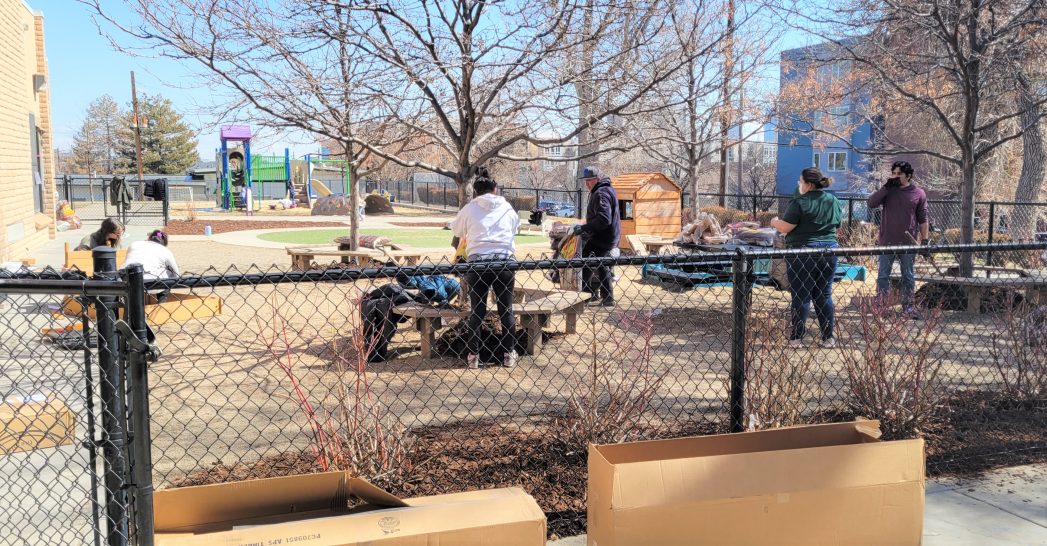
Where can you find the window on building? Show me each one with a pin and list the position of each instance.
(556, 151)
(625, 209)
(37, 165)
(838, 161)
(817, 160)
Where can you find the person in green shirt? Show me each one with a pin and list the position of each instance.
(810, 221)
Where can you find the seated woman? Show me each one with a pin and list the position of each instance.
(109, 234)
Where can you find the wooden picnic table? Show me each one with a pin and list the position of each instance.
(302, 257)
(534, 307)
(975, 288)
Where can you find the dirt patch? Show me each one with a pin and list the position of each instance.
(420, 224)
(983, 432)
(183, 227)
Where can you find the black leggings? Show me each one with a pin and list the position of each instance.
(502, 282)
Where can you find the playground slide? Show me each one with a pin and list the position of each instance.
(321, 189)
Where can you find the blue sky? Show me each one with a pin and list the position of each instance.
(84, 66)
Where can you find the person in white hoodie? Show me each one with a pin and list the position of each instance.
(487, 226)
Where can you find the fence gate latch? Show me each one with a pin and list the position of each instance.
(149, 350)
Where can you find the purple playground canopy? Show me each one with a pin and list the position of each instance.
(236, 132)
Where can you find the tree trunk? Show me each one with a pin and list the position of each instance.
(967, 189)
(354, 195)
(1023, 218)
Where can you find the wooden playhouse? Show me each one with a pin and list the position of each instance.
(649, 204)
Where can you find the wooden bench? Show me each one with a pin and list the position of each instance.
(986, 278)
(82, 259)
(534, 307)
(302, 258)
(176, 308)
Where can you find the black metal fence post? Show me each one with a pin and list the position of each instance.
(850, 212)
(578, 209)
(992, 231)
(114, 412)
(742, 295)
(138, 359)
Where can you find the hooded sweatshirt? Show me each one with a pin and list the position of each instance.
(487, 225)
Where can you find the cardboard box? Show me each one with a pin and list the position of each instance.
(309, 510)
(34, 422)
(821, 484)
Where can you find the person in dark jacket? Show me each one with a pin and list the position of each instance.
(904, 221)
(600, 235)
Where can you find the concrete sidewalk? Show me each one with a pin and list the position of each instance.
(1006, 507)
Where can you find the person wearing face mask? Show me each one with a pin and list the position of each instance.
(810, 221)
(904, 221)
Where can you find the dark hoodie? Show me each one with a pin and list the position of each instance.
(603, 224)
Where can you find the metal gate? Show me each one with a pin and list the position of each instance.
(76, 466)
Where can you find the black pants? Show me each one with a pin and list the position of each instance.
(603, 274)
(480, 283)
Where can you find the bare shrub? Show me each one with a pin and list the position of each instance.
(1019, 353)
(190, 211)
(892, 367)
(860, 234)
(779, 382)
(609, 404)
(357, 434)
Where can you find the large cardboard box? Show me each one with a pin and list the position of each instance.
(310, 510)
(820, 484)
(34, 422)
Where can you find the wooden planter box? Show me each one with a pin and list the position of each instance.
(177, 308)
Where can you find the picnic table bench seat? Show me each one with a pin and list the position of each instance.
(986, 278)
(534, 307)
(303, 257)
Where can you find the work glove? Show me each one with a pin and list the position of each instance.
(577, 229)
(925, 251)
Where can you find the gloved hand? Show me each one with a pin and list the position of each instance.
(925, 251)
(577, 229)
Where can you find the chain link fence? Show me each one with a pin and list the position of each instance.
(91, 199)
(267, 372)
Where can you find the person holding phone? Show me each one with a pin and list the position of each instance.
(904, 221)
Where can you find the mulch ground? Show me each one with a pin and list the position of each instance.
(196, 227)
(982, 432)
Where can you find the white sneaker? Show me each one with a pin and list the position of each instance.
(796, 344)
(828, 343)
(473, 362)
(510, 359)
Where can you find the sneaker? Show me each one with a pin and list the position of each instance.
(510, 359)
(473, 362)
(607, 303)
(796, 344)
(828, 343)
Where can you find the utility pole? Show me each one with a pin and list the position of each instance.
(138, 136)
(725, 91)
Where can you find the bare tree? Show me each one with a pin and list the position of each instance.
(948, 60)
(293, 65)
(687, 130)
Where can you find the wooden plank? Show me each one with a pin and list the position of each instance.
(182, 308)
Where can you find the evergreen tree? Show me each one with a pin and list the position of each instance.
(168, 144)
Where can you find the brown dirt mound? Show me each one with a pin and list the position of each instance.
(183, 227)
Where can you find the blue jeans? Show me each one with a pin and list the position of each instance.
(811, 279)
(907, 263)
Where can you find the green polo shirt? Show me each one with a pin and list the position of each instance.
(816, 215)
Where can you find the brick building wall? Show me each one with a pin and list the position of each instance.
(24, 100)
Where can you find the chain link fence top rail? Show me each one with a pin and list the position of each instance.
(55, 482)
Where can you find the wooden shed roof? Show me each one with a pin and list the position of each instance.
(630, 182)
